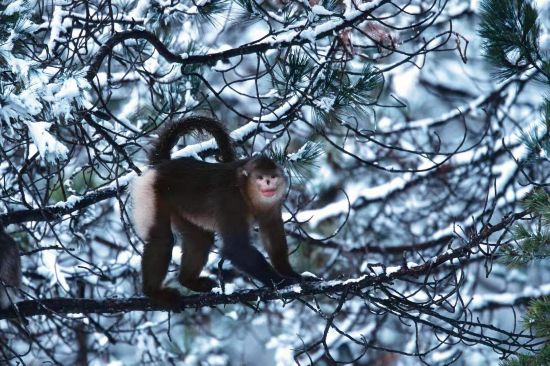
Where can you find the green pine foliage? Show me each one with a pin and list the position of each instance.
(341, 95)
(301, 164)
(15, 29)
(294, 73)
(510, 32)
(340, 92)
(537, 138)
(537, 318)
(511, 35)
(531, 243)
(541, 359)
(208, 11)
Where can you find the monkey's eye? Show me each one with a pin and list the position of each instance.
(260, 177)
(273, 176)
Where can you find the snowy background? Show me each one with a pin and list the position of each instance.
(406, 157)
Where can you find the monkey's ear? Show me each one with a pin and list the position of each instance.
(242, 176)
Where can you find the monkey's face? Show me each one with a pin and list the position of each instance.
(266, 187)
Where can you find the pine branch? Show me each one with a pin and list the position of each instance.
(531, 244)
(510, 33)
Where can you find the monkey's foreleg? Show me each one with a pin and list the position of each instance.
(274, 240)
(249, 260)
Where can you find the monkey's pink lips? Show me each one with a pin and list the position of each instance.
(269, 192)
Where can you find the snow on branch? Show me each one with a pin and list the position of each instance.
(285, 38)
(48, 147)
(491, 301)
(72, 204)
(366, 195)
(471, 107)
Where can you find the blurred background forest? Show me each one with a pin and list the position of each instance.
(415, 133)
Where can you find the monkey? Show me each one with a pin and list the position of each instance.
(10, 269)
(199, 199)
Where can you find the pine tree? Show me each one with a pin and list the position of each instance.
(511, 34)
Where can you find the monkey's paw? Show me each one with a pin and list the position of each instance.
(200, 284)
(165, 296)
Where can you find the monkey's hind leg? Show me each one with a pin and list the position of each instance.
(156, 259)
(196, 246)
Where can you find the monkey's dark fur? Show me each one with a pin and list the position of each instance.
(197, 199)
(10, 269)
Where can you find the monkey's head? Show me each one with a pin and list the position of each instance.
(264, 182)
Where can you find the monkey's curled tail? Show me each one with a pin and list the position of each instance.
(170, 135)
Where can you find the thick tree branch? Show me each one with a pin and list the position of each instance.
(66, 305)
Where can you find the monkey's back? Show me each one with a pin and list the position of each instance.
(197, 185)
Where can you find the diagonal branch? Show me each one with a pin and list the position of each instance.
(54, 212)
